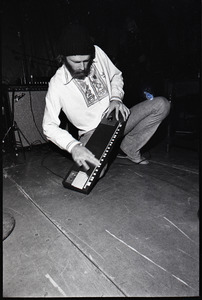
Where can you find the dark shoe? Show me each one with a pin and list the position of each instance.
(121, 154)
(141, 161)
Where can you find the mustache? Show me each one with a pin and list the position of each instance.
(80, 72)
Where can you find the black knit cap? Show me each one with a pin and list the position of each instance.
(75, 40)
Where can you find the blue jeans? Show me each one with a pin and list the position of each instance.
(144, 119)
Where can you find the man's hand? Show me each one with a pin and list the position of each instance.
(118, 106)
(81, 155)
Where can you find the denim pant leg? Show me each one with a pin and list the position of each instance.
(144, 119)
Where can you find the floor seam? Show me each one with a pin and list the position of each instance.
(64, 233)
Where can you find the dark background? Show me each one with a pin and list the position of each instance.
(167, 35)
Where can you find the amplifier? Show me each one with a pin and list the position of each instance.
(28, 105)
(100, 144)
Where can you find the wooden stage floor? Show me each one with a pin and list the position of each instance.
(135, 235)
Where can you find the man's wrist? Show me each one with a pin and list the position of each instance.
(115, 98)
(71, 145)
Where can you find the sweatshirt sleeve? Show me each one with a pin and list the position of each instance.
(51, 122)
(114, 74)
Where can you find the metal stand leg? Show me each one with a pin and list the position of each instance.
(19, 132)
(14, 128)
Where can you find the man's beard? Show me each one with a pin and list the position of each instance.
(78, 74)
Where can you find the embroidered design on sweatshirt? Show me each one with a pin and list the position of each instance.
(93, 88)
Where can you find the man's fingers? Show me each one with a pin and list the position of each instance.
(125, 112)
(121, 110)
(93, 160)
(88, 158)
(85, 165)
(106, 115)
(78, 162)
(117, 113)
(82, 163)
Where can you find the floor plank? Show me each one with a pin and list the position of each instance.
(135, 234)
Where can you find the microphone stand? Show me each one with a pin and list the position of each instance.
(14, 127)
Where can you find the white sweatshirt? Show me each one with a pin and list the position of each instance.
(83, 101)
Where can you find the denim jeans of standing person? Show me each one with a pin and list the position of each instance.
(145, 117)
